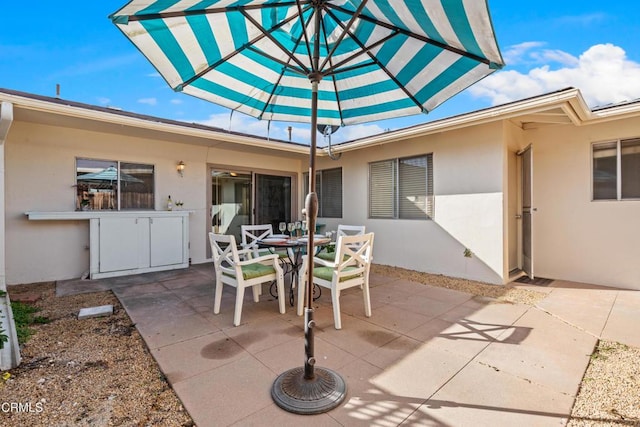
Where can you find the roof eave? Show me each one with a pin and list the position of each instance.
(570, 100)
(148, 123)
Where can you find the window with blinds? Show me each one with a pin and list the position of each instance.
(329, 191)
(401, 188)
(616, 170)
(382, 189)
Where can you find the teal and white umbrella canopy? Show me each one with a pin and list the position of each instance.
(325, 62)
(377, 59)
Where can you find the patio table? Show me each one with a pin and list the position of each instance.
(294, 247)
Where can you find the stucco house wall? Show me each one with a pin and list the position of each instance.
(468, 178)
(40, 176)
(475, 173)
(577, 238)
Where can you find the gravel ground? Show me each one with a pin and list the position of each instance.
(98, 372)
(610, 390)
(91, 372)
(505, 293)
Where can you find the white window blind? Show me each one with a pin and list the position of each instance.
(413, 188)
(382, 189)
(401, 188)
(329, 191)
(331, 206)
(630, 168)
(616, 170)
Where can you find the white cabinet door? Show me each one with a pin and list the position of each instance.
(132, 243)
(120, 243)
(167, 241)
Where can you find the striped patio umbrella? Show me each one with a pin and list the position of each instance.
(325, 62)
(376, 59)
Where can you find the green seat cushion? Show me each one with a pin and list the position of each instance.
(327, 256)
(252, 271)
(326, 273)
(282, 253)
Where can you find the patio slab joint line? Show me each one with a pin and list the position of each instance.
(566, 322)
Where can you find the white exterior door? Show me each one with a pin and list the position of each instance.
(527, 212)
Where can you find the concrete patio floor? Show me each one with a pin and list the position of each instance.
(428, 356)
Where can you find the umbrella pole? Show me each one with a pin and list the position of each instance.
(311, 207)
(310, 390)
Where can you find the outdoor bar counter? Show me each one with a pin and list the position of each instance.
(131, 242)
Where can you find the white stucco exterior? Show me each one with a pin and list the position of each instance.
(468, 204)
(41, 176)
(475, 175)
(577, 238)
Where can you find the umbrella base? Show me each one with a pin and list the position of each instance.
(293, 393)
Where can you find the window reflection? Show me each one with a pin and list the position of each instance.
(101, 182)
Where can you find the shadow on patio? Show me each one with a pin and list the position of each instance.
(427, 356)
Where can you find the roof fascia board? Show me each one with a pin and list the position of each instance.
(579, 112)
(6, 118)
(101, 116)
(616, 113)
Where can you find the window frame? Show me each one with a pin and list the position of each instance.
(118, 187)
(618, 173)
(321, 193)
(396, 188)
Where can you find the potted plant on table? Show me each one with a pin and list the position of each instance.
(84, 204)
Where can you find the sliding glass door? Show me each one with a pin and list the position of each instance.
(273, 199)
(244, 197)
(230, 202)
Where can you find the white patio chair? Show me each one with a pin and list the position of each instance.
(252, 233)
(350, 268)
(329, 253)
(250, 236)
(240, 273)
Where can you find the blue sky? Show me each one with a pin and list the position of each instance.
(547, 45)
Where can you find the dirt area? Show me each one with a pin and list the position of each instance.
(91, 372)
(98, 372)
(505, 293)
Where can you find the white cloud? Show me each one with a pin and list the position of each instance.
(546, 56)
(350, 133)
(300, 132)
(176, 101)
(239, 122)
(585, 20)
(148, 101)
(603, 73)
(104, 101)
(514, 54)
